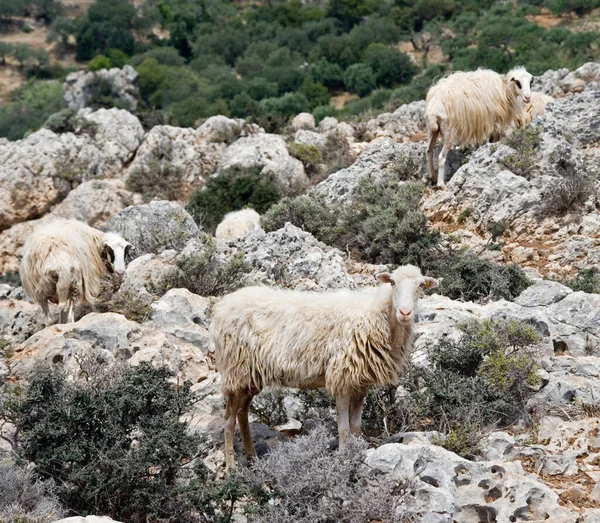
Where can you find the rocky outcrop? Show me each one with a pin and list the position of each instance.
(39, 171)
(155, 227)
(269, 153)
(563, 81)
(123, 84)
(407, 123)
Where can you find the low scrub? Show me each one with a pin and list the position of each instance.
(204, 273)
(482, 379)
(525, 142)
(158, 180)
(232, 190)
(12, 278)
(586, 280)
(568, 193)
(67, 121)
(309, 155)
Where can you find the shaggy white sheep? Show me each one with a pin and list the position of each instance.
(470, 107)
(237, 224)
(64, 262)
(344, 341)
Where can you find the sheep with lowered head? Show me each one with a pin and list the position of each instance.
(536, 107)
(64, 262)
(344, 341)
(237, 224)
(470, 107)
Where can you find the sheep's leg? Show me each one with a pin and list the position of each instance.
(242, 417)
(63, 291)
(46, 311)
(433, 136)
(342, 405)
(356, 408)
(231, 410)
(442, 163)
(71, 318)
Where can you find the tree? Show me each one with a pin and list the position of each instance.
(359, 79)
(389, 65)
(349, 12)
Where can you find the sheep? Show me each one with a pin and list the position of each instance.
(64, 262)
(344, 341)
(470, 107)
(536, 107)
(237, 224)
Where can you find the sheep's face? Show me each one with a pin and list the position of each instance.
(406, 283)
(115, 253)
(520, 81)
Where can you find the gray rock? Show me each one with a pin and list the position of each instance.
(405, 122)
(303, 121)
(562, 81)
(451, 487)
(543, 293)
(39, 171)
(87, 519)
(377, 162)
(77, 89)
(19, 320)
(155, 227)
(306, 137)
(498, 446)
(183, 315)
(219, 128)
(269, 152)
(292, 258)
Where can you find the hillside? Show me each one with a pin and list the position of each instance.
(120, 414)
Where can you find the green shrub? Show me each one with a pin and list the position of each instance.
(99, 62)
(524, 141)
(309, 155)
(204, 273)
(67, 121)
(158, 180)
(567, 193)
(468, 278)
(232, 190)
(127, 303)
(587, 280)
(113, 444)
(389, 65)
(465, 214)
(482, 379)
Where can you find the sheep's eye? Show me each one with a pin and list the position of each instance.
(518, 84)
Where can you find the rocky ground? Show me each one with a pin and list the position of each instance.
(547, 472)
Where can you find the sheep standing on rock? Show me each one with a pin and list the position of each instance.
(64, 262)
(344, 341)
(470, 107)
(237, 224)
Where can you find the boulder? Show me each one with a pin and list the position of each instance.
(268, 152)
(303, 121)
(404, 124)
(155, 227)
(19, 320)
(77, 89)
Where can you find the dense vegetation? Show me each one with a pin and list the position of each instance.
(269, 61)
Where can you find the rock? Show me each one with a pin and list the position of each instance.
(19, 320)
(110, 336)
(456, 489)
(305, 137)
(405, 123)
(377, 162)
(39, 171)
(303, 121)
(269, 152)
(218, 129)
(498, 446)
(575, 117)
(183, 315)
(543, 293)
(563, 465)
(155, 227)
(144, 270)
(11, 245)
(77, 89)
(292, 258)
(329, 123)
(195, 152)
(562, 81)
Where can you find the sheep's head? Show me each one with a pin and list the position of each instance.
(115, 253)
(406, 282)
(519, 80)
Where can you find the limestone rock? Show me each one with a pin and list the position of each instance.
(269, 152)
(19, 320)
(303, 121)
(405, 123)
(123, 82)
(155, 227)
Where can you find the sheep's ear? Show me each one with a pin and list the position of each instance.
(385, 277)
(129, 249)
(430, 283)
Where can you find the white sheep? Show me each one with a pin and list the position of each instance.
(470, 107)
(536, 107)
(64, 262)
(344, 341)
(237, 224)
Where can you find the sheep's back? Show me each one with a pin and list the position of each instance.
(475, 104)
